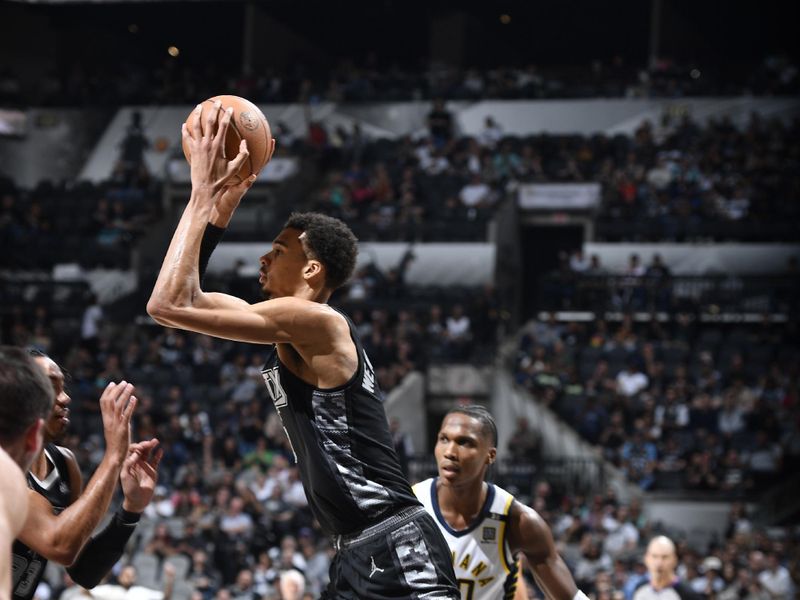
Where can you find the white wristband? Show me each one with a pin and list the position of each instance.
(579, 595)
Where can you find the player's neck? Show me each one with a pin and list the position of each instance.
(464, 501)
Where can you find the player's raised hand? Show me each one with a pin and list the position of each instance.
(139, 475)
(116, 407)
(206, 142)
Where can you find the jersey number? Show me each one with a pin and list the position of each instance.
(467, 588)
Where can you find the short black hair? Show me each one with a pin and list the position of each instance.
(26, 393)
(331, 242)
(476, 411)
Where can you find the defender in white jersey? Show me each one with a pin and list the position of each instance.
(482, 559)
(485, 527)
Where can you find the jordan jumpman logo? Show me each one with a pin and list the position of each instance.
(375, 568)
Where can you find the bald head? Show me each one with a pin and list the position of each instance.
(661, 559)
(662, 544)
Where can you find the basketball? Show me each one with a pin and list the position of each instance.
(247, 122)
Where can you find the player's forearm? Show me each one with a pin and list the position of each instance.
(554, 579)
(60, 538)
(103, 551)
(178, 281)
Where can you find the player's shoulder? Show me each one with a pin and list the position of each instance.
(68, 454)
(524, 521)
(422, 489)
(502, 501)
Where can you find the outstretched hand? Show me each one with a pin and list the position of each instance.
(139, 475)
(117, 405)
(206, 142)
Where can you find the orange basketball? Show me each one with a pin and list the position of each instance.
(248, 122)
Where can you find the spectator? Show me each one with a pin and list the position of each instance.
(623, 537)
(133, 146)
(236, 523)
(242, 588)
(126, 588)
(639, 458)
(201, 575)
(709, 582)
(524, 444)
(292, 585)
(491, 134)
(91, 322)
(764, 458)
(459, 333)
(631, 380)
(440, 124)
(476, 194)
(775, 579)
(578, 263)
(265, 576)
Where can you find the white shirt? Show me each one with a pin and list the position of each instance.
(474, 193)
(117, 592)
(295, 494)
(630, 384)
(90, 326)
(458, 327)
(491, 135)
(620, 538)
(778, 582)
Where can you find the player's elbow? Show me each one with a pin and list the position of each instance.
(64, 552)
(159, 310)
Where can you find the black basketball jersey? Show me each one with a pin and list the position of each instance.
(342, 445)
(28, 566)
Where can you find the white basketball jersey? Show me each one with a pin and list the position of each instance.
(482, 558)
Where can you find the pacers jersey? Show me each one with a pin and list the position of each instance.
(342, 445)
(28, 566)
(481, 556)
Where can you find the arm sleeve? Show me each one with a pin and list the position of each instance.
(211, 237)
(103, 550)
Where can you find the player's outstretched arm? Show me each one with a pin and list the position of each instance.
(61, 537)
(529, 534)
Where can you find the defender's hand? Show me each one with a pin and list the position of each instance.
(116, 407)
(139, 475)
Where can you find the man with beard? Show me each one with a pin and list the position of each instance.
(62, 513)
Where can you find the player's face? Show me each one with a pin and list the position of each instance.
(462, 450)
(58, 420)
(282, 267)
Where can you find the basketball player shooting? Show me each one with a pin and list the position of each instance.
(317, 375)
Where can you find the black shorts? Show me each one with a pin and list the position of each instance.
(402, 557)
